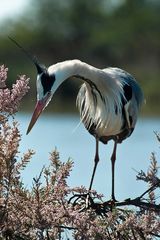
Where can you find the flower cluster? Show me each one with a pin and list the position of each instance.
(3, 76)
(10, 99)
(45, 212)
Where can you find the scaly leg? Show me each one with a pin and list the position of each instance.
(87, 197)
(113, 160)
(96, 160)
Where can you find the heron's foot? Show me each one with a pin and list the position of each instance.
(84, 200)
(113, 200)
(112, 203)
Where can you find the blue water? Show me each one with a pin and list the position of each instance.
(74, 142)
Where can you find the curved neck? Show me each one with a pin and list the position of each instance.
(76, 68)
(103, 81)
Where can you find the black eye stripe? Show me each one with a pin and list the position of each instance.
(47, 82)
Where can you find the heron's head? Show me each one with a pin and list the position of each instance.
(45, 86)
(45, 90)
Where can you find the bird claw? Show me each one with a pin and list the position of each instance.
(84, 200)
(111, 203)
(113, 200)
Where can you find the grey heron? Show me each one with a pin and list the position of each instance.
(108, 102)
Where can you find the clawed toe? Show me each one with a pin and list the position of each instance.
(84, 200)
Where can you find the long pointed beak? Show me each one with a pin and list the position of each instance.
(37, 111)
(41, 104)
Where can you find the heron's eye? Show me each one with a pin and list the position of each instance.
(47, 82)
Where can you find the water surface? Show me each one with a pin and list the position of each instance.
(74, 142)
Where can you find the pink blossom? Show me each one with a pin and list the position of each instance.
(10, 99)
(3, 76)
(19, 89)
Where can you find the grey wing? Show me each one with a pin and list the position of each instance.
(127, 78)
(137, 91)
(132, 93)
(132, 106)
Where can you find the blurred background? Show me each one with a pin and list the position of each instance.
(122, 33)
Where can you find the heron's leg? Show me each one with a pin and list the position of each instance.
(113, 160)
(96, 160)
(87, 197)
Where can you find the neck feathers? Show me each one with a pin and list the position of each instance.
(76, 68)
